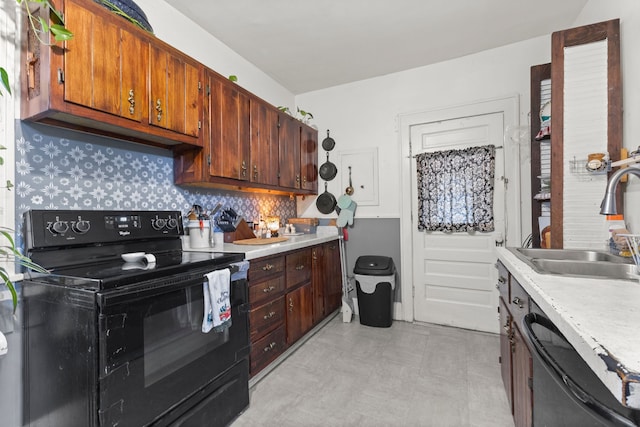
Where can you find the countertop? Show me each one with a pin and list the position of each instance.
(259, 251)
(600, 318)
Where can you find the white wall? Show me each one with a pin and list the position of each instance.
(365, 113)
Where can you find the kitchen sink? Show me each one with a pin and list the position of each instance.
(578, 263)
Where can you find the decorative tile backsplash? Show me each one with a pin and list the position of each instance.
(61, 169)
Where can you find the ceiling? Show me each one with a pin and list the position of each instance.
(307, 45)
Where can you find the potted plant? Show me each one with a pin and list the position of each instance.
(8, 250)
(304, 116)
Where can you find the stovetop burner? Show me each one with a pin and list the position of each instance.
(84, 248)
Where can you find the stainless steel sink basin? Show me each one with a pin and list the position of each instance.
(579, 263)
(573, 255)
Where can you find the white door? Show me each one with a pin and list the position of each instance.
(454, 274)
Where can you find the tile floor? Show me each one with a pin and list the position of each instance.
(407, 375)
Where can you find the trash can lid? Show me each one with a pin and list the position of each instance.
(374, 265)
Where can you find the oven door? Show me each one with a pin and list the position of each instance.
(153, 355)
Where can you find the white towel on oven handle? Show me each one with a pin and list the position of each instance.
(217, 301)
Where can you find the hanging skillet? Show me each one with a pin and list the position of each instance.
(328, 143)
(328, 170)
(326, 202)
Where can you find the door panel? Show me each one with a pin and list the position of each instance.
(454, 273)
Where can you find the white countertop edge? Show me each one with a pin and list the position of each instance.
(590, 315)
(259, 251)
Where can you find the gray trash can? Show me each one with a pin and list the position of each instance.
(375, 283)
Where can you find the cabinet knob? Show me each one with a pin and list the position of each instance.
(159, 110)
(132, 102)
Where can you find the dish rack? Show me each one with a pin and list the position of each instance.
(633, 241)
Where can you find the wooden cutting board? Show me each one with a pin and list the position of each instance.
(256, 241)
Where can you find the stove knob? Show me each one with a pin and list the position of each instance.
(81, 226)
(172, 223)
(158, 223)
(60, 227)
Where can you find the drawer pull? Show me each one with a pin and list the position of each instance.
(517, 301)
(502, 280)
(270, 315)
(270, 347)
(267, 267)
(269, 289)
(299, 267)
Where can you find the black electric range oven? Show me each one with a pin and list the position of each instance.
(115, 343)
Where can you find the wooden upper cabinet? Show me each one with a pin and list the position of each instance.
(309, 158)
(99, 81)
(289, 144)
(175, 91)
(264, 143)
(108, 80)
(229, 122)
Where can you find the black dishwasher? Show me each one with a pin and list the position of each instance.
(566, 391)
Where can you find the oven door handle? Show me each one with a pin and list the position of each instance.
(568, 385)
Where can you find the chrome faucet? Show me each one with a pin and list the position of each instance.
(608, 205)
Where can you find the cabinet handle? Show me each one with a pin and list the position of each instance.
(506, 327)
(315, 256)
(304, 180)
(255, 171)
(244, 168)
(271, 346)
(297, 179)
(270, 315)
(269, 289)
(502, 280)
(159, 109)
(132, 102)
(299, 267)
(290, 305)
(267, 267)
(517, 301)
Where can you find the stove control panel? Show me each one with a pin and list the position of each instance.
(45, 228)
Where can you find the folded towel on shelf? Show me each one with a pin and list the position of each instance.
(217, 301)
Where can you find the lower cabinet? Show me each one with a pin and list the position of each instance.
(289, 293)
(515, 357)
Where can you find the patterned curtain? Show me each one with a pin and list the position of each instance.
(455, 190)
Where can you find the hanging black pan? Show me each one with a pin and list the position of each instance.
(328, 143)
(326, 202)
(328, 170)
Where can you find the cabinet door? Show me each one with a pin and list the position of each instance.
(108, 80)
(298, 269)
(522, 377)
(333, 279)
(175, 91)
(229, 123)
(299, 312)
(289, 146)
(318, 282)
(264, 143)
(309, 159)
(506, 340)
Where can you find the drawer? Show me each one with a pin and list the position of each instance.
(265, 267)
(266, 290)
(298, 268)
(503, 281)
(266, 318)
(267, 349)
(519, 301)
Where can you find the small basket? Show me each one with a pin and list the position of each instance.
(633, 241)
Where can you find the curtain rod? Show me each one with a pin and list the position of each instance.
(499, 147)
